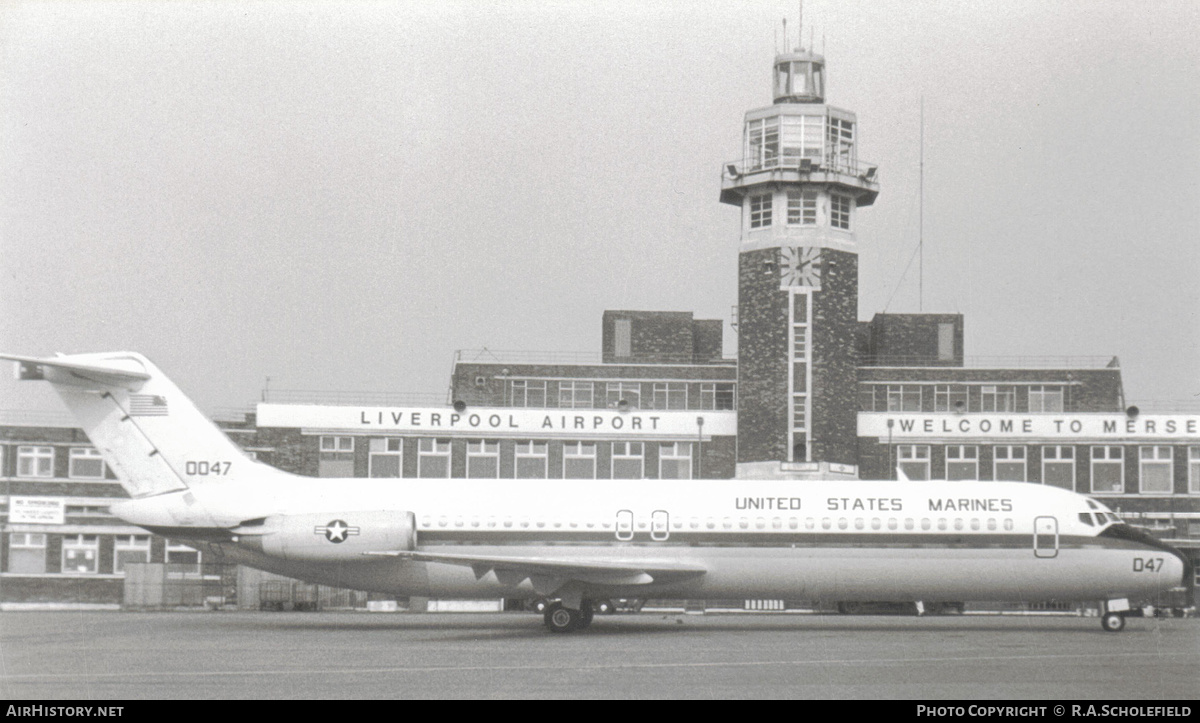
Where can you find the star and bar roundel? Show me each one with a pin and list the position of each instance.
(800, 266)
(336, 531)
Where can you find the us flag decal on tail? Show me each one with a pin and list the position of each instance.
(147, 405)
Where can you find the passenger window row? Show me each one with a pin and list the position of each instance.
(875, 524)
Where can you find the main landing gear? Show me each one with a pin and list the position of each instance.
(562, 619)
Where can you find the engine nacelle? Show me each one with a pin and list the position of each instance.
(334, 536)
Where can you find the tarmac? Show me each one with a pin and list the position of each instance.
(226, 655)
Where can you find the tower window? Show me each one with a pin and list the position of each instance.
(760, 211)
(800, 136)
(839, 211)
(762, 143)
(802, 208)
(839, 137)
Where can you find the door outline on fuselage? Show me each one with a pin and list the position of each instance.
(660, 525)
(1045, 537)
(625, 525)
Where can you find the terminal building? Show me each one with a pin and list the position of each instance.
(814, 393)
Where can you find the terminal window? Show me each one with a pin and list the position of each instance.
(483, 459)
(576, 395)
(913, 460)
(35, 461)
(950, 398)
(670, 395)
(80, 554)
(130, 549)
(904, 398)
(1009, 461)
(532, 460)
(628, 392)
(998, 399)
(1108, 469)
(962, 461)
(86, 463)
(1044, 398)
(528, 393)
(26, 553)
(1058, 466)
(386, 457)
(716, 396)
(1156, 470)
(675, 460)
(628, 460)
(579, 460)
(433, 458)
(1194, 470)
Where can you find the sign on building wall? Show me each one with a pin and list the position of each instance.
(1180, 427)
(501, 422)
(37, 510)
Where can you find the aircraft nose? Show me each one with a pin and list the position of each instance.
(1187, 574)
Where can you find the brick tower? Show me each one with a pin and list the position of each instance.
(799, 184)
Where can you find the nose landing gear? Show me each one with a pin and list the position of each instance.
(1112, 622)
(1113, 619)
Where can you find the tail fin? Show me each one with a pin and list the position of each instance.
(149, 433)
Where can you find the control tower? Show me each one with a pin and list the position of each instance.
(799, 184)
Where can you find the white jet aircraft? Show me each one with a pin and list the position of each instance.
(571, 543)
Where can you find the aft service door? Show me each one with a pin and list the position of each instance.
(1045, 537)
(660, 523)
(625, 525)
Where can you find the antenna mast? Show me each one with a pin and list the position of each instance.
(921, 219)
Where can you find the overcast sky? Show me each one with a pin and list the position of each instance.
(340, 195)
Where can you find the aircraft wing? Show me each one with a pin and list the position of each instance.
(547, 574)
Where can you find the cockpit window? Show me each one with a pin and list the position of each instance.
(1093, 505)
(1086, 518)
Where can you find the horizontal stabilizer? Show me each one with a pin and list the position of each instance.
(512, 570)
(117, 372)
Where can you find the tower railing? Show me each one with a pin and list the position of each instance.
(829, 163)
(500, 356)
(991, 362)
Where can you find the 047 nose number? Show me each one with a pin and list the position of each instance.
(1147, 564)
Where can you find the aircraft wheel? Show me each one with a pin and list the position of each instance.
(586, 613)
(1113, 622)
(562, 620)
